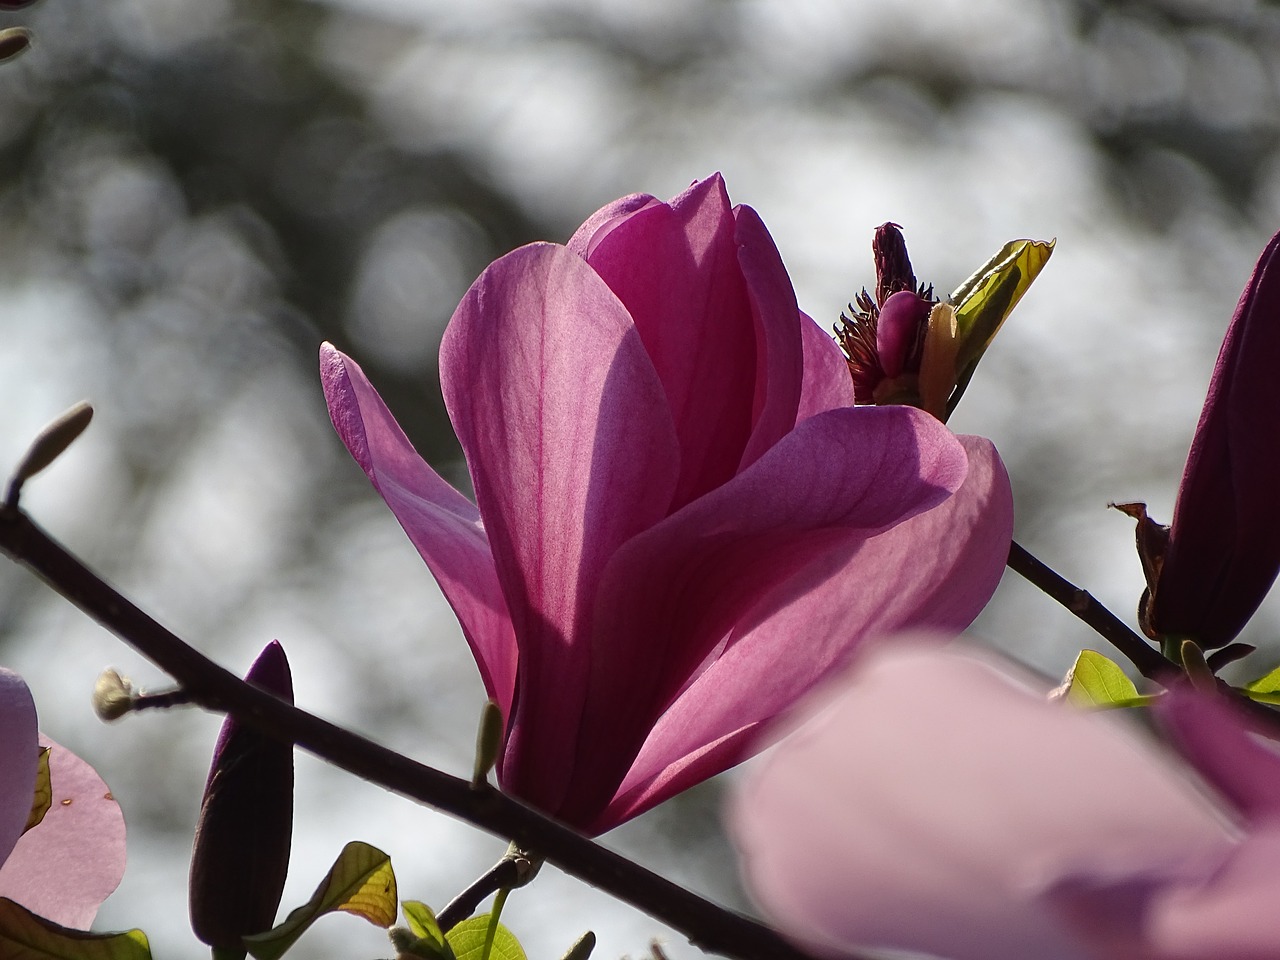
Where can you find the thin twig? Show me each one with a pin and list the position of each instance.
(1151, 663)
(707, 925)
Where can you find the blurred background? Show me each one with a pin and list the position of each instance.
(195, 193)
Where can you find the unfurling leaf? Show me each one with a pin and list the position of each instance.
(43, 799)
(361, 881)
(422, 921)
(1095, 681)
(468, 940)
(25, 935)
(986, 299)
(1266, 689)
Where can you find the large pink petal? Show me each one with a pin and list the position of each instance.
(777, 530)
(777, 320)
(572, 452)
(18, 756)
(935, 570)
(827, 384)
(1212, 737)
(63, 868)
(601, 223)
(932, 801)
(443, 524)
(1229, 916)
(675, 267)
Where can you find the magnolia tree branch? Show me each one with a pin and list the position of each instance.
(1151, 663)
(707, 925)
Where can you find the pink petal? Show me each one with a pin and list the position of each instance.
(931, 801)
(937, 570)
(18, 756)
(673, 594)
(827, 384)
(443, 524)
(1229, 917)
(572, 452)
(779, 351)
(601, 223)
(66, 866)
(1212, 737)
(675, 268)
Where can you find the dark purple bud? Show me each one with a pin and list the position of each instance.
(902, 322)
(1224, 543)
(893, 266)
(241, 852)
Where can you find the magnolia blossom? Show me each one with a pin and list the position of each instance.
(936, 802)
(681, 523)
(1210, 569)
(65, 866)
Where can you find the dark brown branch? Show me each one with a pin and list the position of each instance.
(1151, 663)
(708, 926)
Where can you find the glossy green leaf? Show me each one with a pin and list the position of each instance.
(361, 881)
(43, 798)
(1095, 681)
(24, 935)
(1266, 689)
(422, 921)
(986, 299)
(469, 937)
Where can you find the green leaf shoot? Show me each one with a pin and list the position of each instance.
(43, 798)
(23, 934)
(1098, 682)
(469, 939)
(361, 881)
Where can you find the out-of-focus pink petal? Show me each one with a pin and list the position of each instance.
(779, 349)
(1229, 917)
(63, 868)
(443, 524)
(827, 384)
(572, 452)
(18, 756)
(1210, 735)
(776, 531)
(935, 570)
(675, 268)
(932, 802)
(1224, 543)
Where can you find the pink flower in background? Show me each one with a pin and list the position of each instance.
(65, 866)
(682, 523)
(979, 821)
(1210, 569)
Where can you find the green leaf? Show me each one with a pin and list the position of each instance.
(43, 798)
(988, 297)
(1095, 681)
(422, 921)
(23, 934)
(469, 937)
(1266, 689)
(361, 881)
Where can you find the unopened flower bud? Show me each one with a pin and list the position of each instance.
(241, 852)
(113, 696)
(893, 266)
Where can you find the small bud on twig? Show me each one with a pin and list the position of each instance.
(113, 696)
(54, 438)
(488, 743)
